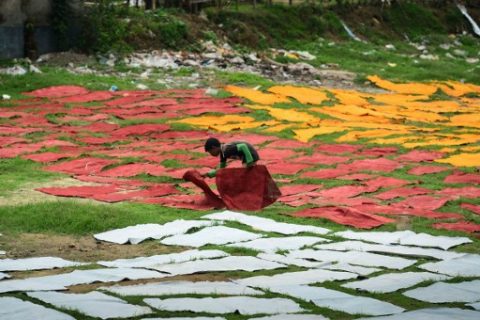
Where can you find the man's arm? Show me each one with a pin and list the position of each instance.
(213, 173)
(242, 147)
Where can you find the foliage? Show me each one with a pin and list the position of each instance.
(412, 19)
(60, 17)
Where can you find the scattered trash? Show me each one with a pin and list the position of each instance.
(6, 97)
(113, 88)
(429, 57)
(142, 87)
(211, 92)
(349, 32)
(472, 60)
(14, 71)
(34, 69)
(461, 53)
(463, 10)
(392, 64)
(390, 47)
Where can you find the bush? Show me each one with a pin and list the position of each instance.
(412, 19)
(103, 29)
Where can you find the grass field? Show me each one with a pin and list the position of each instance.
(77, 220)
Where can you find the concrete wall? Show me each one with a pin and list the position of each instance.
(13, 16)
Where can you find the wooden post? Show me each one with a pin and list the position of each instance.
(154, 4)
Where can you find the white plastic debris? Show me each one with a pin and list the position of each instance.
(349, 32)
(441, 292)
(145, 262)
(391, 282)
(93, 304)
(168, 288)
(140, 232)
(264, 224)
(242, 305)
(14, 71)
(39, 263)
(34, 69)
(6, 97)
(15, 309)
(211, 235)
(464, 11)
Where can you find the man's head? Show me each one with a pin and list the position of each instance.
(212, 146)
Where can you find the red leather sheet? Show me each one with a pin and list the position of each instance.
(471, 207)
(80, 191)
(458, 226)
(455, 193)
(420, 156)
(402, 192)
(48, 156)
(83, 166)
(57, 92)
(133, 169)
(346, 216)
(460, 177)
(320, 158)
(421, 170)
(89, 97)
(286, 168)
(140, 129)
(211, 197)
(337, 148)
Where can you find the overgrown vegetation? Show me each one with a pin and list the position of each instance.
(262, 26)
(108, 26)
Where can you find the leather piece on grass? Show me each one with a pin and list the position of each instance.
(469, 227)
(402, 193)
(421, 170)
(133, 169)
(345, 216)
(420, 156)
(460, 177)
(286, 168)
(79, 191)
(48, 156)
(89, 97)
(455, 193)
(386, 182)
(462, 160)
(83, 166)
(473, 208)
(57, 92)
(247, 188)
(154, 191)
(211, 197)
(140, 130)
(319, 158)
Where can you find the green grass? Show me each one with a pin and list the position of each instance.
(17, 172)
